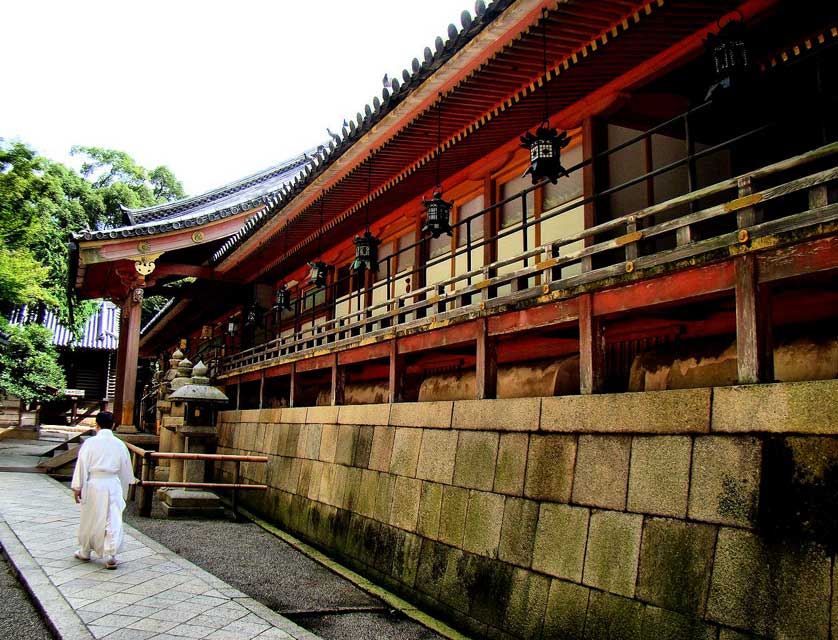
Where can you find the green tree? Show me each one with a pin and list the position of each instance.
(41, 204)
(29, 365)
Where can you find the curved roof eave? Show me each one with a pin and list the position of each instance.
(267, 180)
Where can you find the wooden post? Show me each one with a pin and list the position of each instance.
(262, 390)
(396, 380)
(591, 348)
(590, 131)
(338, 383)
(235, 497)
(754, 351)
(136, 461)
(486, 371)
(292, 393)
(146, 492)
(127, 358)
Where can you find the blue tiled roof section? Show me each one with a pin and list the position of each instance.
(101, 331)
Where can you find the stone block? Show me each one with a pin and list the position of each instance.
(520, 519)
(404, 512)
(613, 551)
(676, 411)
(292, 440)
(567, 607)
(560, 540)
(436, 455)
(452, 515)
(347, 438)
(484, 520)
(384, 497)
(322, 415)
(293, 476)
(317, 469)
(440, 575)
(382, 448)
(550, 462)
(675, 565)
(732, 634)
(269, 415)
(601, 476)
(259, 439)
(659, 480)
(489, 585)
(250, 415)
(773, 589)
(660, 624)
(328, 442)
(509, 414)
(526, 604)
(477, 453)
(724, 486)
(294, 415)
(352, 491)
(364, 414)
(367, 493)
(430, 504)
(786, 407)
(281, 439)
(434, 415)
(305, 478)
(611, 617)
(313, 436)
(363, 447)
(327, 482)
(406, 558)
(512, 463)
(339, 485)
(405, 458)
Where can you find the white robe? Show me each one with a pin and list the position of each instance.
(103, 474)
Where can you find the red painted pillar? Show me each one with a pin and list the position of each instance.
(127, 358)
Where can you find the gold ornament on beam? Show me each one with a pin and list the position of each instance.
(144, 266)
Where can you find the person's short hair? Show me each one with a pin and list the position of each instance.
(104, 419)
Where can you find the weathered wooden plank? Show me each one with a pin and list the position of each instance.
(562, 312)
(755, 358)
(486, 363)
(338, 388)
(591, 348)
(788, 262)
(395, 386)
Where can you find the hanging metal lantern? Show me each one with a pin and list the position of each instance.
(282, 299)
(545, 147)
(438, 213)
(366, 252)
(251, 318)
(232, 327)
(729, 55)
(319, 273)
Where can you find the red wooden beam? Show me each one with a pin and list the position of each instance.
(442, 337)
(556, 313)
(317, 362)
(800, 259)
(365, 353)
(676, 287)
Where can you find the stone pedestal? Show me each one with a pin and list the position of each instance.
(190, 503)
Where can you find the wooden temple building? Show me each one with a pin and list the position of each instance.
(565, 236)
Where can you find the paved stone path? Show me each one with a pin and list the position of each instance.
(153, 594)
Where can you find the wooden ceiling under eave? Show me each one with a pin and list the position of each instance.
(589, 43)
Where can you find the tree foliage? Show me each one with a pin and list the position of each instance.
(41, 204)
(29, 365)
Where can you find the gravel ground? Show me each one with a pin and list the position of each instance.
(19, 619)
(280, 577)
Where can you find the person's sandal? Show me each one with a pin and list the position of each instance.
(111, 563)
(78, 556)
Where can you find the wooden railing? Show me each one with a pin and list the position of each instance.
(540, 268)
(144, 462)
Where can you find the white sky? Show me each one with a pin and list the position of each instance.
(215, 90)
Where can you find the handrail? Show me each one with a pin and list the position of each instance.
(548, 260)
(149, 458)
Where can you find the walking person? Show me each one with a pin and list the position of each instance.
(100, 484)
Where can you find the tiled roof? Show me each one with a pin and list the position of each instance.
(259, 183)
(101, 331)
(419, 71)
(259, 190)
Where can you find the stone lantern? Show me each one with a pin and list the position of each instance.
(198, 401)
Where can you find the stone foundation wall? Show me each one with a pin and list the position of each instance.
(703, 513)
